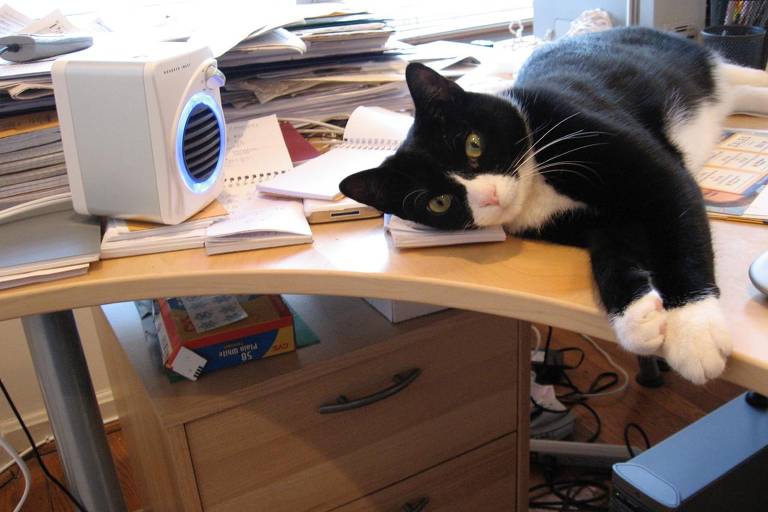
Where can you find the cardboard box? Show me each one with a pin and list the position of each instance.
(267, 330)
(399, 310)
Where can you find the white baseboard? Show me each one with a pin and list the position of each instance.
(40, 427)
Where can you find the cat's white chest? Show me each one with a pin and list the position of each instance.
(541, 203)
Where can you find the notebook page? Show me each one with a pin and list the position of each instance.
(265, 215)
(372, 134)
(377, 124)
(256, 152)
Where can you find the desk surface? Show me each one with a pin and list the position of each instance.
(528, 280)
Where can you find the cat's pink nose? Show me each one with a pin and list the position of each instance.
(491, 199)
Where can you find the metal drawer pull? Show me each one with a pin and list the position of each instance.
(402, 380)
(418, 506)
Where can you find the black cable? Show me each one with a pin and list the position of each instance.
(39, 459)
(566, 492)
(637, 427)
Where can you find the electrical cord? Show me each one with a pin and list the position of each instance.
(300, 122)
(24, 470)
(564, 495)
(568, 494)
(35, 451)
(537, 334)
(637, 427)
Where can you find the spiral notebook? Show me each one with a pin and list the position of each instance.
(256, 152)
(371, 135)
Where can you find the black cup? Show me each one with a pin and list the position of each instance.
(740, 44)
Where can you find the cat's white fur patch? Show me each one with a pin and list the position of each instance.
(640, 328)
(525, 200)
(696, 133)
(697, 341)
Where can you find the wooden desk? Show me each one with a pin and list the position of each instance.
(527, 280)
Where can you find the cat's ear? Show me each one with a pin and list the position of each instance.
(429, 89)
(367, 187)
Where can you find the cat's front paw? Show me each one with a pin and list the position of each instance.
(640, 328)
(697, 341)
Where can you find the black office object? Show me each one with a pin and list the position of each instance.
(716, 464)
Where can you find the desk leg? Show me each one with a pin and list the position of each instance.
(74, 414)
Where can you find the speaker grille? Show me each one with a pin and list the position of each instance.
(201, 142)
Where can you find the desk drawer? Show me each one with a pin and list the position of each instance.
(278, 454)
(481, 480)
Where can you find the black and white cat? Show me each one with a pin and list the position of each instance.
(593, 146)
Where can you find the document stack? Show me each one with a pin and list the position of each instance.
(31, 159)
(48, 241)
(320, 68)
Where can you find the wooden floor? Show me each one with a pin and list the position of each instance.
(661, 412)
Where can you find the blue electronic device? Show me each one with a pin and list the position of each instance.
(717, 464)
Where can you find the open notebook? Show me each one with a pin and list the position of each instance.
(371, 135)
(256, 152)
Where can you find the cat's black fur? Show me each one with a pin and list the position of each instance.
(645, 217)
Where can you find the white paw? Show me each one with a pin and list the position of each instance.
(697, 341)
(640, 329)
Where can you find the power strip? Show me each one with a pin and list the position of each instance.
(572, 453)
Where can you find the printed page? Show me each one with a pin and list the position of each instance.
(12, 21)
(53, 23)
(256, 151)
(264, 214)
(734, 178)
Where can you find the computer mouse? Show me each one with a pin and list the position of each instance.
(758, 273)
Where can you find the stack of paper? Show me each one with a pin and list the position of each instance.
(407, 234)
(267, 222)
(256, 151)
(320, 68)
(49, 242)
(130, 238)
(31, 159)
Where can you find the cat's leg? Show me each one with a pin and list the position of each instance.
(634, 307)
(696, 340)
(739, 75)
(748, 99)
(746, 89)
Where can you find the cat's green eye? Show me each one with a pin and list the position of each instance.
(473, 146)
(440, 204)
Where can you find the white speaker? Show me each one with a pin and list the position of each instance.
(143, 130)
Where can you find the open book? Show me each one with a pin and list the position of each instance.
(130, 238)
(256, 152)
(268, 222)
(734, 179)
(371, 135)
(407, 234)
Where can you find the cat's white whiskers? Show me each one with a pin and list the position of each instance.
(574, 135)
(567, 163)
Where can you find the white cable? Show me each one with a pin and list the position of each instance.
(25, 452)
(24, 470)
(613, 363)
(302, 121)
(538, 336)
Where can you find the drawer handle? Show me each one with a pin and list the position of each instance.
(418, 506)
(402, 381)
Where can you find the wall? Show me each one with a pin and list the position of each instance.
(19, 378)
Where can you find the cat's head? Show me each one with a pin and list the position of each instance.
(463, 163)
